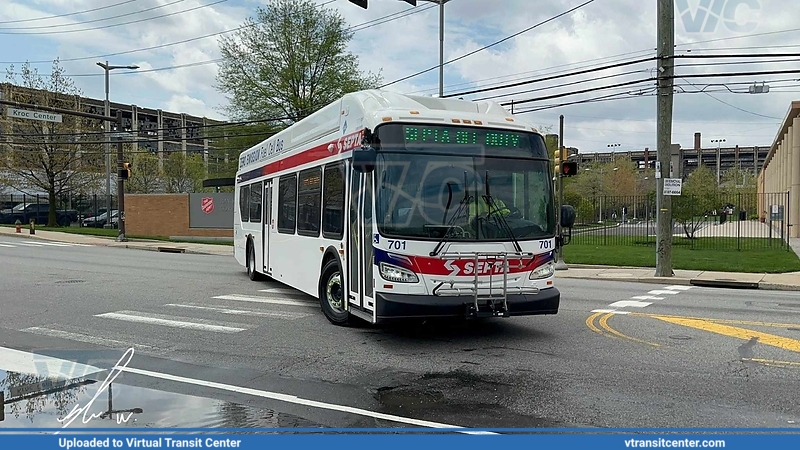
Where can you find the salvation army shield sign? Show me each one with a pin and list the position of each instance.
(207, 204)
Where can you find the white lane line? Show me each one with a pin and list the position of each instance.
(647, 297)
(282, 291)
(153, 319)
(295, 400)
(268, 300)
(80, 337)
(28, 244)
(9, 246)
(678, 288)
(626, 303)
(241, 312)
(609, 311)
(32, 363)
(55, 244)
(662, 292)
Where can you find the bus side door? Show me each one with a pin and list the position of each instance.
(360, 250)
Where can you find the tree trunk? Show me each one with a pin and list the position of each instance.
(51, 216)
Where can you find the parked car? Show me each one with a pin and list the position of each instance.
(39, 212)
(101, 220)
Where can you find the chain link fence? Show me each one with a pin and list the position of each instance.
(724, 221)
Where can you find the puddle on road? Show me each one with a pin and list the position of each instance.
(34, 401)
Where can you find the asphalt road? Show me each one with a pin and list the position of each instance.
(664, 357)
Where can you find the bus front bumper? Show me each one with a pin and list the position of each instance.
(402, 306)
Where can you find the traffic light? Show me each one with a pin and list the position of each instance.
(125, 172)
(569, 168)
(556, 162)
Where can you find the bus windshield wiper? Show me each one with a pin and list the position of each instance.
(494, 209)
(459, 212)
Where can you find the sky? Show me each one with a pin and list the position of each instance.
(400, 40)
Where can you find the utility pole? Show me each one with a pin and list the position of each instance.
(560, 264)
(666, 51)
(120, 184)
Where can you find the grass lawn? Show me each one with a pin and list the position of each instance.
(112, 233)
(714, 255)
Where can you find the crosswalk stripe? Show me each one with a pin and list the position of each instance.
(157, 319)
(282, 291)
(56, 244)
(273, 301)
(27, 244)
(241, 312)
(80, 337)
(6, 245)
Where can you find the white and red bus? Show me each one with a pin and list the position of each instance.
(390, 206)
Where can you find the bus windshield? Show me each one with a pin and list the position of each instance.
(424, 191)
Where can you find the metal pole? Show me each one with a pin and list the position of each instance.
(108, 146)
(441, 48)
(666, 49)
(120, 185)
(560, 264)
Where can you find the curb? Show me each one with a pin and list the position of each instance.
(725, 284)
(720, 284)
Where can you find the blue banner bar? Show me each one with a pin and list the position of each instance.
(401, 442)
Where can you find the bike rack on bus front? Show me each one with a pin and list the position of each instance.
(474, 287)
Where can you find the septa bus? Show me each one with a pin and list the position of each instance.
(389, 206)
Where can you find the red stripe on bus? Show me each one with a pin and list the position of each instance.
(306, 157)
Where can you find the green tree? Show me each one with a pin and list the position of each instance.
(183, 174)
(699, 197)
(289, 61)
(230, 142)
(146, 176)
(46, 155)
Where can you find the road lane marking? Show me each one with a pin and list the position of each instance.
(268, 300)
(729, 321)
(296, 400)
(603, 322)
(663, 291)
(609, 311)
(152, 319)
(80, 337)
(678, 288)
(6, 245)
(791, 345)
(241, 312)
(647, 297)
(772, 362)
(27, 244)
(590, 322)
(626, 303)
(55, 244)
(282, 291)
(31, 363)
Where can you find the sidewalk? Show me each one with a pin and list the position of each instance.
(778, 282)
(200, 249)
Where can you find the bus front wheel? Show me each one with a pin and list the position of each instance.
(332, 294)
(251, 263)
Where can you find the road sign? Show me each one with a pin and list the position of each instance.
(33, 115)
(672, 186)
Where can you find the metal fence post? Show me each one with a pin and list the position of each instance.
(786, 220)
(739, 224)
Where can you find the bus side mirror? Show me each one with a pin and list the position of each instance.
(364, 159)
(567, 216)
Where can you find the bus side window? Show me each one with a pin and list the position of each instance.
(287, 204)
(255, 201)
(309, 199)
(244, 203)
(333, 202)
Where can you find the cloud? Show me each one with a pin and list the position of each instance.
(603, 32)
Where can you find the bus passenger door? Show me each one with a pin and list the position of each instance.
(359, 247)
(266, 229)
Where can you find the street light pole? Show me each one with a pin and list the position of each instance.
(719, 149)
(108, 68)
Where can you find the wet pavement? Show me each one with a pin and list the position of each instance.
(38, 401)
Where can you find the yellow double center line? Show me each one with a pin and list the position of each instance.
(604, 328)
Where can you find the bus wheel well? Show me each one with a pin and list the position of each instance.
(330, 254)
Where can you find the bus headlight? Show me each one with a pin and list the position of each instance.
(545, 271)
(391, 272)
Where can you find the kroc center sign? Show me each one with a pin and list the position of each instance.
(33, 115)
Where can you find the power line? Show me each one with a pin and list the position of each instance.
(583, 91)
(90, 21)
(69, 14)
(185, 41)
(122, 23)
(488, 46)
(554, 77)
(732, 106)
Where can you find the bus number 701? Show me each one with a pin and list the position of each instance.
(396, 245)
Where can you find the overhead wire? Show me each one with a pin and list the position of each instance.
(68, 14)
(91, 21)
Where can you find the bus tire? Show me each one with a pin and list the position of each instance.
(252, 273)
(332, 294)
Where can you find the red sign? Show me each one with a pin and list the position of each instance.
(207, 204)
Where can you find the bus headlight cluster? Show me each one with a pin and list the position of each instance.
(545, 271)
(397, 274)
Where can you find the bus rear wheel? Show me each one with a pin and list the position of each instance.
(332, 294)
